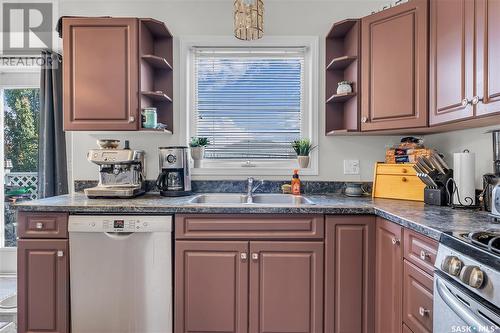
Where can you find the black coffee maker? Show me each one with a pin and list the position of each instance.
(490, 180)
(174, 179)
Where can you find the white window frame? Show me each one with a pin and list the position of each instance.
(310, 120)
(10, 80)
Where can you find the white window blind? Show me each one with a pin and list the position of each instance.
(249, 102)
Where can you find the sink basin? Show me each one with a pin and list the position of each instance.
(258, 199)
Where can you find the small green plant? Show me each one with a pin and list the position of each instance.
(303, 147)
(198, 142)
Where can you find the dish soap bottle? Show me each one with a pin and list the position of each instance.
(295, 182)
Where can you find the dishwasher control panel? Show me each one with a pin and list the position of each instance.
(112, 223)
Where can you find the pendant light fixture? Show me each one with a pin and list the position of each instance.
(248, 19)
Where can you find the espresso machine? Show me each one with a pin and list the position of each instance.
(491, 181)
(121, 172)
(175, 178)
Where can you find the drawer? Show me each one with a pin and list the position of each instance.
(42, 225)
(420, 250)
(399, 187)
(396, 169)
(417, 299)
(225, 226)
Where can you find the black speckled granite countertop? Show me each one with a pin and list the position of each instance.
(425, 219)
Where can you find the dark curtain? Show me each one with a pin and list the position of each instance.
(52, 167)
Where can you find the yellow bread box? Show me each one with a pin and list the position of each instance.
(397, 181)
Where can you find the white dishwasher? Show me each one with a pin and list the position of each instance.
(120, 273)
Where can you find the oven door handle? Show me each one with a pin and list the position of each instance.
(458, 307)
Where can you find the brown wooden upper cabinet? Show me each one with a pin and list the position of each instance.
(395, 68)
(464, 31)
(108, 76)
(451, 81)
(487, 57)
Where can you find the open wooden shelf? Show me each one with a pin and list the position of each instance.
(340, 98)
(156, 130)
(340, 29)
(341, 63)
(157, 62)
(157, 28)
(157, 96)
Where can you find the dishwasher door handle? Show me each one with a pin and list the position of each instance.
(459, 308)
(119, 235)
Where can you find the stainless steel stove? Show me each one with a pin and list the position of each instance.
(467, 283)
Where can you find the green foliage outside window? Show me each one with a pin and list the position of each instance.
(21, 124)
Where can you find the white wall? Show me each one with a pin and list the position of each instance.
(214, 17)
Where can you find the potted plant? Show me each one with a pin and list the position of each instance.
(198, 149)
(303, 148)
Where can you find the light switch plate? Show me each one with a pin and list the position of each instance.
(351, 167)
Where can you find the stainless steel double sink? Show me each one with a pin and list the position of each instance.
(257, 199)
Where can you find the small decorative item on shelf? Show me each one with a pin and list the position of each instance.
(345, 87)
(303, 148)
(198, 149)
(149, 118)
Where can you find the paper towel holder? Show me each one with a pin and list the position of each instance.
(468, 202)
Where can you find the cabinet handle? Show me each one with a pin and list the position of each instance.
(364, 120)
(423, 311)
(465, 102)
(243, 256)
(60, 253)
(255, 256)
(131, 119)
(395, 241)
(476, 100)
(39, 225)
(424, 255)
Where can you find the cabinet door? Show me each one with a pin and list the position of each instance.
(349, 274)
(211, 287)
(395, 72)
(43, 286)
(488, 56)
(100, 69)
(388, 277)
(451, 81)
(286, 287)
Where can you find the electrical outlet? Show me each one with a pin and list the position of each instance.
(351, 167)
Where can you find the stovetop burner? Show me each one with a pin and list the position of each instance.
(487, 240)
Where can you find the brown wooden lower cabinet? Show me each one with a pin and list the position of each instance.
(388, 277)
(211, 286)
(349, 274)
(404, 280)
(242, 286)
(43, 285)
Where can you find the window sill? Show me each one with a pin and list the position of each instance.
(267, 168)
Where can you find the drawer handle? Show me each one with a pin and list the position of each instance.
(404, 179)
(423, 311)
(404, 170)
(39, 225)
(60, 253)
(243, 256)
(424, 255)
(396, 241)
(255, 256)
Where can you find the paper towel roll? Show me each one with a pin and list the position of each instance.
(464, 172)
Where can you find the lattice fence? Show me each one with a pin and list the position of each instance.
(25, 179)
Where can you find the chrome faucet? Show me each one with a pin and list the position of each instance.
(251, 188)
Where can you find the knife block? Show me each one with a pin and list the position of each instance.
(439, 196)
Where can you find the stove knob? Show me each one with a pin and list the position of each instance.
(452, 265)
(472, 276)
